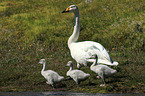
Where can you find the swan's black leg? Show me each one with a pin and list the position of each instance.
(102, 76)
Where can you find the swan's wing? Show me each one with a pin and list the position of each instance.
(94, 46)
(97, 47)
(87, 45)
(103, 55)
(87, 49)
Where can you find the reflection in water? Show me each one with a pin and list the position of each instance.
(63, 94)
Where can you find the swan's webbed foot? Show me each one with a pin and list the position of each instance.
(47, 82)
(101, 75)
(102, 85)
(69, 78)
(53, 86)
(98, 77)
(78, 82)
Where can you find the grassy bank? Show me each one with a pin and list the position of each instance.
(35, 29)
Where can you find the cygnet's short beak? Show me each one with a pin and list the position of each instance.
(66, 65)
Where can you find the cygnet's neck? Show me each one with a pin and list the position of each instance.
(71, 68)
(94, 63)
(44, 66)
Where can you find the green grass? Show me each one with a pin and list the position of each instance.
(35, 29)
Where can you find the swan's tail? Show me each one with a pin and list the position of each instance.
(105, 58)
(114, 71)
(102, 54)
(115, 63)
(61, 78)
(87, 75)
(107, 62)
(103, 61)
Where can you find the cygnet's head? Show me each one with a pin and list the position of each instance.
(69, 63)
(71, 8)
(42, 61)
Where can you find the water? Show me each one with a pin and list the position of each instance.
(63, 94)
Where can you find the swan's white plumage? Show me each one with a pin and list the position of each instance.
(82, 51)
(76, 75)
(51, 76)
(102, 70)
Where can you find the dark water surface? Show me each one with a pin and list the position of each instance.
(63, 94)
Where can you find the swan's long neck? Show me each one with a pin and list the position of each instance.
(74, 37)
(44, 67)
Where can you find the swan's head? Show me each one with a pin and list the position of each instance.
(71, 8)
(42, 61)
(69, 63)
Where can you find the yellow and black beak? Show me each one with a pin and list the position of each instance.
(66, 10)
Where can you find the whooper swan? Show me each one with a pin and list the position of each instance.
(76, 75)
(82, 51)
(51, 76)
(102, 70)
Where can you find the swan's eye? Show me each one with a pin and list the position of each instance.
(72, 7)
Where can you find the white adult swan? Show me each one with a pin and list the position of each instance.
(82, 51)
(102, 70)
(76, 75)
(51, 76)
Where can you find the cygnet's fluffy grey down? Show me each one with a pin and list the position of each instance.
(51, 76)
(76, 75)
(102, 70)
